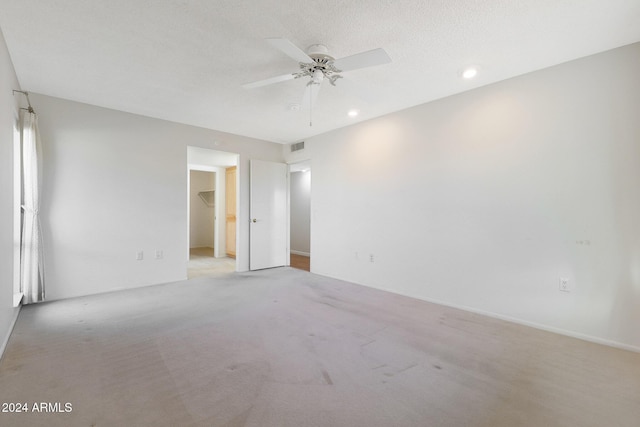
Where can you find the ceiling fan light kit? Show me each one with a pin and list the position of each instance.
(317, 65)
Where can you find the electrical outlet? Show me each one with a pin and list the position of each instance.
(371, 257)
(139, 255)
(564, 285)
(159, 254)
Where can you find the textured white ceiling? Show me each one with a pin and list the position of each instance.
(185, 61)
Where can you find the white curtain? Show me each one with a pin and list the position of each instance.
(31, 259)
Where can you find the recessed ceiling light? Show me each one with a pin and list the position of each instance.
(353, 113)
(469, 73)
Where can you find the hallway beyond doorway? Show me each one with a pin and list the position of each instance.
(300, 262)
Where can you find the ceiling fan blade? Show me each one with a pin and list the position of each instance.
(362, 60)
(272, 80)
(290, 49)
(310, 96)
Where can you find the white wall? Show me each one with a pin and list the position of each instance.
(200, 214)
(116, 183)
(485, 199)
(9, 105)
(300, 205)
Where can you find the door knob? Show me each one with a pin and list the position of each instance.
(254, 220)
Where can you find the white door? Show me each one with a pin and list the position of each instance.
(269, 231)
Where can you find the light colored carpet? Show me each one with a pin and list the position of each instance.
(202, 263)
(284, 347)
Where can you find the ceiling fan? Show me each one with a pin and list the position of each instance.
(318, 66)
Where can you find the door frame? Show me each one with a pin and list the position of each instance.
(211, 166)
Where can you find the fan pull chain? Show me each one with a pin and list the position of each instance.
(311, 105)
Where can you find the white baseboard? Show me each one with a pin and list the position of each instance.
(307, 254)
(553, 329)
(5, 341)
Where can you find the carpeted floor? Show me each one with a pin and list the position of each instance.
(202, 263)
(284, 347)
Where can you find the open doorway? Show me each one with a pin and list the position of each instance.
(210, 198)
(300, 215)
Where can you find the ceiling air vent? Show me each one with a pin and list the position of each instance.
(297, 146)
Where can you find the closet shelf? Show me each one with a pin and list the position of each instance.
(208, 197)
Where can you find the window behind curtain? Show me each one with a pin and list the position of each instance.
(17, 211)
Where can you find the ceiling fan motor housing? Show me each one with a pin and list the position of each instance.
(321, 67)
(319, 52)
